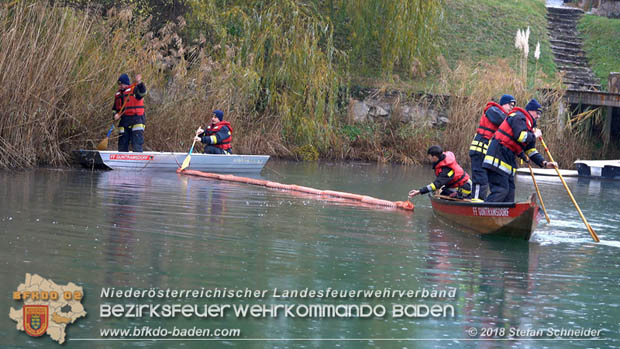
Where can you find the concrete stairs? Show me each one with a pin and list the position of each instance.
(567, 49)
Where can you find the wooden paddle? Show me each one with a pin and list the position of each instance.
(189, 156)
(103, 145)
(538, 192)
(583, 218)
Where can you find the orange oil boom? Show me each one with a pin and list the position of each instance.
(405, 205)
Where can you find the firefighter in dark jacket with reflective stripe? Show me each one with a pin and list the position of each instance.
(492, 116)
(129, 107)
(450, 175)
(516, 136)
(217, 136)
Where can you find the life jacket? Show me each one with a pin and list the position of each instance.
(460, 176)
(504, 133)
(133, 106)
(215, 128)
(486, 128)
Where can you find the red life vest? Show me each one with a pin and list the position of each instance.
(504, 134)
(460, 176)
(133, 106)
(215, 128)
(486, 128)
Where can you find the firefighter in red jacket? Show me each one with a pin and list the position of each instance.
(217, 136)
(492, 116)
(450, 175)
(129, 107)
(516, 136)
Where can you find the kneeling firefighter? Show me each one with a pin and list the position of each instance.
(450, 175)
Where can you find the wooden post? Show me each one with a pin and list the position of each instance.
(613, 86)
(613, 80)
(561, 116)
(607, 126)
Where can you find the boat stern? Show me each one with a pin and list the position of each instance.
(90, 159)
(514, 220)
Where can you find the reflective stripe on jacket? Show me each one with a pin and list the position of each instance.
(501, 165)
(479, 144)
(225, 141)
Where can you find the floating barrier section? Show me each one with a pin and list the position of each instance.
(405, 205)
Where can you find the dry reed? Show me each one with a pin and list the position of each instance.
(279, 89)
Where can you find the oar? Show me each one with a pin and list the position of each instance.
(583, 218)
(189, 156)
(103, 145)
(538, 192)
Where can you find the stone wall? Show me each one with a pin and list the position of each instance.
(606, 8)
(374, 106)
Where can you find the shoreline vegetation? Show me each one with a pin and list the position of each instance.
(282, 71)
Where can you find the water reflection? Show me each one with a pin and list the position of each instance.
(118, 229)
(122, 192)
(495, 269)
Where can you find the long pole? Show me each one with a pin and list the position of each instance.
(538, 193)
(583, 218)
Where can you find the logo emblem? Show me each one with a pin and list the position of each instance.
(36, 319)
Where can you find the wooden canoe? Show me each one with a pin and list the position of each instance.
(515, 220)
(159, 161)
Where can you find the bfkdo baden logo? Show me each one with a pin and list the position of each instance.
(47, 307)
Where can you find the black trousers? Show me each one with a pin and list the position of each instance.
(479, 176)
(502, 187)
(131, 131)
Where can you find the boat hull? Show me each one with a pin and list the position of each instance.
(609, 169)
(160, 161)
(514, 220)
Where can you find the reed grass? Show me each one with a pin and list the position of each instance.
(53, 61)
(275, 70)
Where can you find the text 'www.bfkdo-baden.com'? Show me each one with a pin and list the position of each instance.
(173, 332)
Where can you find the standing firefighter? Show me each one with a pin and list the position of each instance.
(516, 136)
(217, 136)
(450, 175)
(492, 116)
(129, 107)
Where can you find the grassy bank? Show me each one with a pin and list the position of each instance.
(601, 38)
(279, 72)
(484, 31)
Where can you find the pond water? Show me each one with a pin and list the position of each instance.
(142, 231)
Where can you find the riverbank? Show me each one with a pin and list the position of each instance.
(297, 100)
